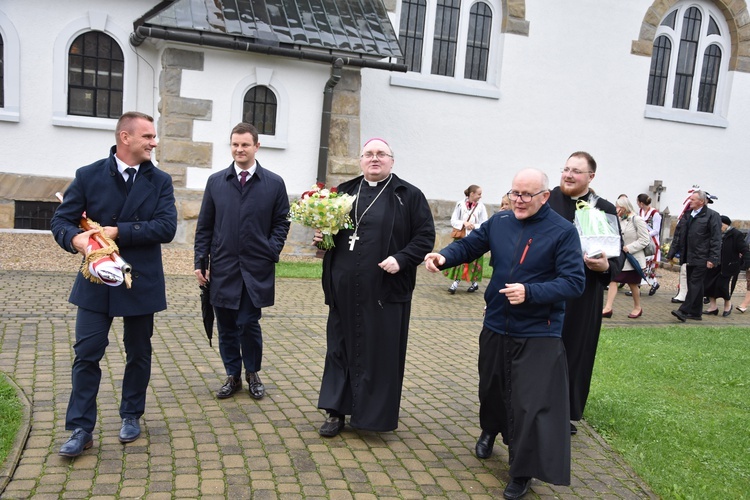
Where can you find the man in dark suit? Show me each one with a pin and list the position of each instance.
(698, 241)
(240, 233)
(134, 203)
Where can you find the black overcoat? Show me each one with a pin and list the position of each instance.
(241, 231)
(145, 219)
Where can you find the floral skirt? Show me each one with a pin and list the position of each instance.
(471, 272)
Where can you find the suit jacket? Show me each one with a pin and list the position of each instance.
(241, 232)
(145, 219)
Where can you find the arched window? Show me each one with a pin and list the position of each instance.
(689, 65)
(95, 76)
(448, 46)
(259, 108)
(2, 73)
(411, 33)
(478, 42)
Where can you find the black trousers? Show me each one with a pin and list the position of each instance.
(92, 332)
(693, 305)
(240, 336)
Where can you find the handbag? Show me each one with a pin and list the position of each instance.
(650, 249)
(457, 234)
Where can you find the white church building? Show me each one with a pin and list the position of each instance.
(465, 92)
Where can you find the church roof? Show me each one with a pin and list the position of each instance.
(355, 28)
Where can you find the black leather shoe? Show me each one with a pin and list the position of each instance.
(727, 313)
(679, 315)
(653, 288)
(77, 442)
(715, 312)
(130, 430)
(255, 386)
(332, 426)
(485, 443)
(473, 288)
(517, 488)
(231, 385)
(694, 318)
(573, 429)
(675, 300)
(705, 300)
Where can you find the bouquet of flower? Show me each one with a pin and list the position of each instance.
(323, 209)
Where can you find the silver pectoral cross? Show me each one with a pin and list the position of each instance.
(352, 240)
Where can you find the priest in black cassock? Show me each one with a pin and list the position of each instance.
(368, 280)
(583, 315)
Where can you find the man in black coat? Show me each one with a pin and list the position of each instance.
(134, 203)
(699, 243)
(240, 233)
(583, 315)
(368, 280)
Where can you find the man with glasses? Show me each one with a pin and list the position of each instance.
(523, 388)
(583, 315)
(368, 280)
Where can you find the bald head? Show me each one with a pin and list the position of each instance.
(530, 191)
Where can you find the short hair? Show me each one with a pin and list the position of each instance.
(624, 202)
(125, 122)
(245, 128)
(701, 195)
(644, 198)
(586, 156)
(471, 189)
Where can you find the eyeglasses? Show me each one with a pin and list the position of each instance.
(380, 154)
(524, 197)
(574, 171)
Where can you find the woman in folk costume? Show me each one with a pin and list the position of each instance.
(468, 215)
(653, 221)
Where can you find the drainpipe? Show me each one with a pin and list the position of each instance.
(325, 120)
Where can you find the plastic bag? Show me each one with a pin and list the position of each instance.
(598, 230)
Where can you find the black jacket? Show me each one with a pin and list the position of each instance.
(734, 252)
(699, 240)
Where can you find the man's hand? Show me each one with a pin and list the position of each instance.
(433, 260)
(599, 264)
(81, 241)
(201, 279)
(515, 293)
(709, 264)
(111, 232)
(390, 265)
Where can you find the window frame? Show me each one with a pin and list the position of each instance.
(93, 21)
(11, 109)
(459, 83)
(667, 111)
(267, 78)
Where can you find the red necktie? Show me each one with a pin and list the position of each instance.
(243, 177)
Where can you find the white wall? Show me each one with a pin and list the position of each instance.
(33, 145)
(571, 84)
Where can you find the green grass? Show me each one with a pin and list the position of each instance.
(295, 269)
(10, 417)
(675, 403)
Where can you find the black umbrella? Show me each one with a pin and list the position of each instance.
(206, 308)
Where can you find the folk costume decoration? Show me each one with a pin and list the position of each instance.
(368, 280)
(468, 215)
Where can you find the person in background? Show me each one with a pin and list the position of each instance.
(698, 241)
(746, 301)
(505, 203)
(583, 315)
(241, 230)
(635, 237)
(523, 389)
(127, 191)
(653, 221)
(469, 213)
(368, 281)
(734, 257)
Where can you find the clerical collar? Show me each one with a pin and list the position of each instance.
(579, 197)
(376, 183)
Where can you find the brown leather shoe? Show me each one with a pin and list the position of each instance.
(231, 385)
(255, 386)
